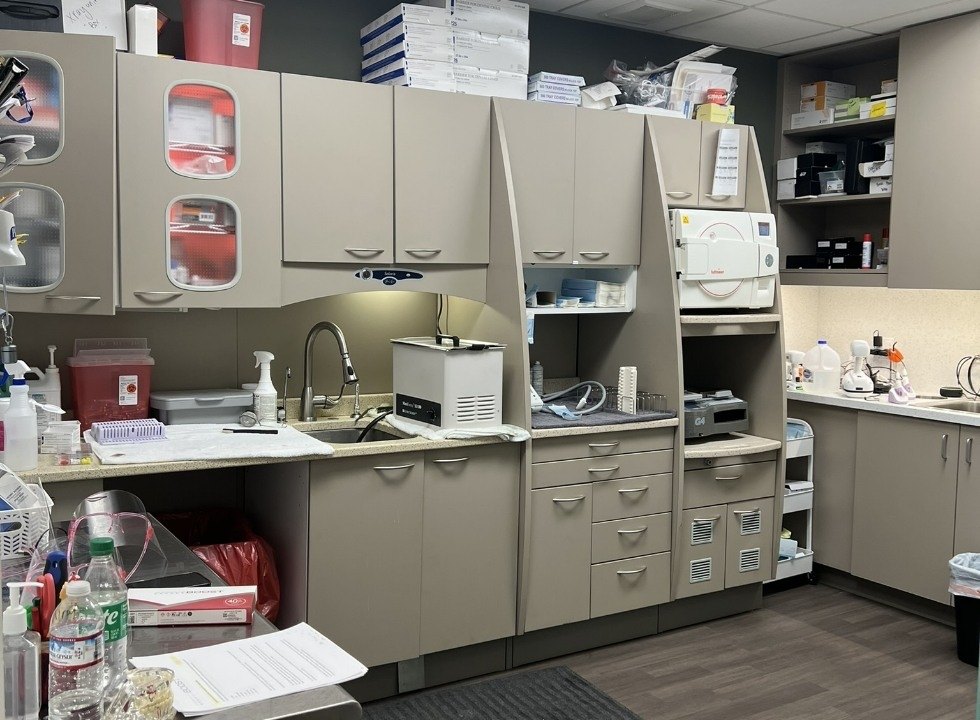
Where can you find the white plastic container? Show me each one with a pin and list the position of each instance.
(180, 407)
(20, 430)
(266, 399)
(821, 368)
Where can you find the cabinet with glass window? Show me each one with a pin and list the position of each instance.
(62, 196)
(200, 187)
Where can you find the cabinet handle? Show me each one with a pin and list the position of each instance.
(424, 251)
(604, 445)
(746, 512)
(628, 491)
(82, 298)
(632, 532)
(614, 468)
(156, 293)
(450, 461)
(579, 498)
(381, 468)
(714, 519)
(944, 445)
(632, 572)
(718, 198)
(594, 254)
(549, 253)
(724, 478)
(969, 451)
(364, 251)
(678, 194)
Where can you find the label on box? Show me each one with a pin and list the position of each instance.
(241, 29)
(192, 606)
(834, 186)
(14, 494)
(207, 217)
(128, 389)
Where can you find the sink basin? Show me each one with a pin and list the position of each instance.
(970, 406)
(350, 435)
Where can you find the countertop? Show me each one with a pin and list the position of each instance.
(916, 409)
(592, 430)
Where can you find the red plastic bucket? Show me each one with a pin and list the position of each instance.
(223, 32)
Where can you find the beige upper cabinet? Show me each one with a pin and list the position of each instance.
(679, 143)
(67, 202)
(442, 178)
(967, 537)
(932, 243)
(707, 199)
(608, 187)
(200, 185)
(337, 171)
(541, 147)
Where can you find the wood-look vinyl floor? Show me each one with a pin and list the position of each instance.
(812, 652)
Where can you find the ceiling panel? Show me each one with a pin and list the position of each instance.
(814, 42)
(896, 22)
(845, 12)
(674, 13)
(552, 5)
(752, 28)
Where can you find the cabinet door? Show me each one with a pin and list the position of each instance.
(366, 555)
(200, 185)
(934, 249)
(608, 187)
(541, 148)
(701, 551)
(905, 503)
(442, 177)
(469, 546)
(679, 144)
(748, 550)
(560, 556)
(68, 201)
(337, 171)
(967, 537)
(710, 133)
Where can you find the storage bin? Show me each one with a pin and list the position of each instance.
(223, 32)
(20, 530)
(184, 407)
(110, 380)
(832, 182)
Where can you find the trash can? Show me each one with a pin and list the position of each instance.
(964, 584)
(226, 543)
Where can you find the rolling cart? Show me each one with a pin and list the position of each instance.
(798, 499)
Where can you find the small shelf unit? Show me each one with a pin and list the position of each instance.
(838, 278)
(798, 504)
(836, 199)
(874, 127)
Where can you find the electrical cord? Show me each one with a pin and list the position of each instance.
(964, 375)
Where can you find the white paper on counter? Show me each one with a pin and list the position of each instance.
(241, 672)
(726, 163)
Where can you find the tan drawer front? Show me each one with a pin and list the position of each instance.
(630, 584)
(627, 498)
(729, 484)
(619, 539)
(571, 472)
(601, 444)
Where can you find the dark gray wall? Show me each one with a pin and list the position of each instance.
(320, 37)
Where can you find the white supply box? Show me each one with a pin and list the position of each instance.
(882, 107)
(424, 74)
(554, 98)
(431, 52)
(785, 189)
(878, 168)
(557, 79)
(401, 14)
(786, 169)
(192, 606)
(500, 17)
(725, 259)
(413, 40)
(490, 83)
(826, 87)
(544, 86)
(648, 110)
(492, 52)
(880, 186)
(811, 119)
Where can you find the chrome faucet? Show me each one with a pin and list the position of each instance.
(310, 401)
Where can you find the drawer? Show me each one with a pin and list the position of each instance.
(647, 495)
(630, 584)
(571, 472)
(620, 539)
(573, 447)
(727, 484)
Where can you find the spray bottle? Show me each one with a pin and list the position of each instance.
(19, 423)
(264, 396)
(21, 660)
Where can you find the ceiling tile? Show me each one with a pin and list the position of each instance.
(552, 5)
(935, 12)
(689, 11)
(845, 12)
(752, 29)
(817, 41)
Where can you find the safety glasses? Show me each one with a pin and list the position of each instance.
(132, 534)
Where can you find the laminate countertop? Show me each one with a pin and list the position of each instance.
(918, 408)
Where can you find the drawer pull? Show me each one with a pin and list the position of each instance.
(157, 294)
(678, 194)
(718, 198)
(382, 468)
(945, 443)
(81, 298)
(451, 460)
(549, 253)
(423, 251)
(746, 512)
(614, 468)
(638, 531)
(594, 254)
(596, 446)
(632, 572)
(630, 491)
(364, 251)
(579, 498)
(714, 519)
(969, 451)
(727, 478)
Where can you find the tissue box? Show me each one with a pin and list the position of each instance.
(412, 40)
(710, 112)
(811, 119)
(492, 52)
(826, 87)
(878, 168)
(192, 606)
(490, 83)
(404, 13)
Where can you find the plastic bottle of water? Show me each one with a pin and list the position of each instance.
(821, 368)
(109, 592)
(76, 647)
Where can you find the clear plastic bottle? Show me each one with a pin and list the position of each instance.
(109, 592)
(821, 368)
(21, 661)
(20, 430)
(76, 643)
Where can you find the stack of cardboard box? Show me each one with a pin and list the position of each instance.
(555, 88)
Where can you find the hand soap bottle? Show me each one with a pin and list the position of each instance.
(21, 661)
(264, 396)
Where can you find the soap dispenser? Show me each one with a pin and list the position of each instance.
(21, 660)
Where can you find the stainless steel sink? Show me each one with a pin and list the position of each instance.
(350, 435)
(970, 406)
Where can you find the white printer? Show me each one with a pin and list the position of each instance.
(725, 259)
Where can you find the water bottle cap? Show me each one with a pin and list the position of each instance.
(18, 382)
(78, 588)
(101, 546)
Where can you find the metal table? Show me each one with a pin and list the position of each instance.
(329, 703)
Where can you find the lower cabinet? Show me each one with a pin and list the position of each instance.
(414, 553)
(749, 543)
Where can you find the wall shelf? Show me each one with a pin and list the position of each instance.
(840, 278)
(876, 127)
(729, 324)
(835, 200)
(799, 565)
(729, 445)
